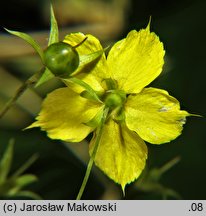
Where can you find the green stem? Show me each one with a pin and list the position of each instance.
(94, 152)
(32, 80)
(26, 165)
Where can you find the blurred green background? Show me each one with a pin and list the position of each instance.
(181, 25)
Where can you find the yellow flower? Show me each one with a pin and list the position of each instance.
(135, 114)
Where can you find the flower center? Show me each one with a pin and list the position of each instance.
(114, 99)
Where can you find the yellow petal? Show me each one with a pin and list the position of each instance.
(98, 69)
(121, 154)
(136, 60)
(64, 113)
(155, 115)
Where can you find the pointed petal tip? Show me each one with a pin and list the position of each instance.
(34, 124)
(123, 189)
(195, 115)
(188, 114)
(149, 23)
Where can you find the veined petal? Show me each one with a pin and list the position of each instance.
(136, 60)
(64, 114)
(121, 154)
(97, 68)
(155, 115)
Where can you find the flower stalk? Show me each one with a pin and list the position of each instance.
(94, 152)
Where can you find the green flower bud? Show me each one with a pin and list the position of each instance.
(61, 59)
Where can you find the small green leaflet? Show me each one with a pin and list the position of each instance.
(46, 76)
(54, 32)
(5, 163)
(29, 40)
(86, 59)
(89, 92)
(11, 185)
(95, 122)
(53, 38)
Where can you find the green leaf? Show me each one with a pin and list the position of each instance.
(29, 40)
(46, 76)
(5, 163)
(170, 193)
(26, 165)
(90, 91)
(25, 180)
(53, 38)
(155, 174)
(88, 58)
(15, 184)
(149, 181)
(54, 33)
(89, 95)
(6, 186)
